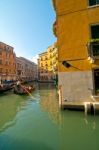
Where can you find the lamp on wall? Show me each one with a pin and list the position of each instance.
(66, 64)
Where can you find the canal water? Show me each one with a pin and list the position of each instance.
(36, 123)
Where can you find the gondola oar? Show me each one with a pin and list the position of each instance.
(27, 91)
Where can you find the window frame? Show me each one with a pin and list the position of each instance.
(1, 62)
(91, 6)
(90, 35)
(1, 70)
(90, 25)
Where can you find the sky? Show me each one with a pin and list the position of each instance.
(26, 25)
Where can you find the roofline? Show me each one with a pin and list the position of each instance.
(54, 4)
(6, 44)
(43, 53)
(29, 61)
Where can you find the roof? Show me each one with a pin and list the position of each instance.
(6, 44)
(54, 4)
(44, 53)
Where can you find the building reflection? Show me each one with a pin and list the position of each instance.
(49, 102)
(9, 107)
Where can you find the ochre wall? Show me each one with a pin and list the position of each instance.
(70, 5)
(74, 18)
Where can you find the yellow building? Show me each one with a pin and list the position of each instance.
(77, 22)
(7, 62)
(43, 67)
(52, 60)
(48, 64)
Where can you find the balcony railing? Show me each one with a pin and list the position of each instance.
(93, 49)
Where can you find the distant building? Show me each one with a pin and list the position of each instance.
(48, 64)
(26, 69)
(7, 62)
(77, 31)
(52, 54)
(20, 71)
(43, 67)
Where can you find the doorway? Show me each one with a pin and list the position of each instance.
(96, 81)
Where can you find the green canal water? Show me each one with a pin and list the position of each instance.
(36, 123)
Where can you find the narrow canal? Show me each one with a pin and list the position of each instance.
(36, 123)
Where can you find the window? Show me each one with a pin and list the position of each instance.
(93, 2)
(95, 31)
(96, 81)
(0, 62)
(0, 70)
(5, 47)
(94, 45)
(6, 70)
(7, 62)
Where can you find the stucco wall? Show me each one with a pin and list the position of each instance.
(74, 19)
(76, 86)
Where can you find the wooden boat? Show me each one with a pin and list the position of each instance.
(23, 90)
(5, 88)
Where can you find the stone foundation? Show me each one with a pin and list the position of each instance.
(76, 86)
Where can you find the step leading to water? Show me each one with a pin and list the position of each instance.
(88, 107)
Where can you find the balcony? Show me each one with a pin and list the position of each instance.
(93, 49)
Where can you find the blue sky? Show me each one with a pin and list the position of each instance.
(27, 25)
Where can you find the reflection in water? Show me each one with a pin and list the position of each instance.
(88, 123)
(49, 102)
(78, 132)
(38, 124)
(9, 106)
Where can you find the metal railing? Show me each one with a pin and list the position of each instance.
(93, 49)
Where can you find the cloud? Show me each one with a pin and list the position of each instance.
(34, 59)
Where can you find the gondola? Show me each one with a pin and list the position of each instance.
(5, 88)
(23, 90)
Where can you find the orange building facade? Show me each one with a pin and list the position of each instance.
(7, 62)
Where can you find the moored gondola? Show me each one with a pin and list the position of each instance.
(5, 88)
(23, 90)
